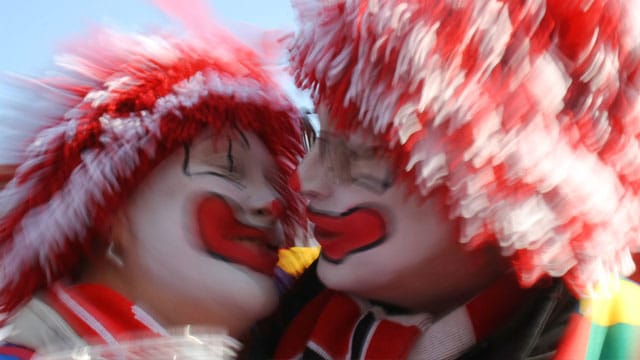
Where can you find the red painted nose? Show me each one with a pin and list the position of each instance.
(277, 209)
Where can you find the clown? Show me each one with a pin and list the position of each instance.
(476, 173)
(153, 192)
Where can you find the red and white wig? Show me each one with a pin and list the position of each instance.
(527, 111)
(120, 105)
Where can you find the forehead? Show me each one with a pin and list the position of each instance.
(360, 137)
(245, 143)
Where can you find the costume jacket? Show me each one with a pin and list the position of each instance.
(72, 317)
(544, 322)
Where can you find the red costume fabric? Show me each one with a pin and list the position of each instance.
(336, 326)
(527, 113)
(119, 105)
(87, 135)
(513, 106)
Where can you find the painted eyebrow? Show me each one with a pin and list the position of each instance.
(245, 141)
(187, 171)
(333, 134)
(230, 154)
(366, 152)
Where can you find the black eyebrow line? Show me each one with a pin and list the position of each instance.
(242, 135)
(365, 181)
(229, 154)
(188, 173)
(185, 161)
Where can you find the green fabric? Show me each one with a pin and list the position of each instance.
(614, 342)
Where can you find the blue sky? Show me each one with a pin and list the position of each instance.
(30, 29)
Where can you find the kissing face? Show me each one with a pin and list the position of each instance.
(231, 240)
(341, 235)
(379, 240)
(205, 225)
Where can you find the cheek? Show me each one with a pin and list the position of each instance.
(419, 232)
(163, 227)
(363, 273)
(423, 222)
(224, 235)
(345, 276)
(168, 250)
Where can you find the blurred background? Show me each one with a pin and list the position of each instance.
(31, 30)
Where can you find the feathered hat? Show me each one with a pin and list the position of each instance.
(527, 111)
(120, 105)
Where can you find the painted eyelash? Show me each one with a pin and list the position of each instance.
(187, 171)
(230, 156)
(376, 185)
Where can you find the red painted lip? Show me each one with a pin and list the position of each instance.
(355, 230)
(226, 237)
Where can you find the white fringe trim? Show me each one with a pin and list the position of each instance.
(43, 230)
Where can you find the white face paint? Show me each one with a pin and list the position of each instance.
(204, 234)
(378, 241)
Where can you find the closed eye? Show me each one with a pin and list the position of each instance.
(370, 172)
(224, 168)
(372, 183)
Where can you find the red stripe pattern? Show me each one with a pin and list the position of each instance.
(336, 326)
(527, 111)
(15, 352)
(99, 315)
(119, 106)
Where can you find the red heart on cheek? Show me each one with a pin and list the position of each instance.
(356, 230)
(226, 237)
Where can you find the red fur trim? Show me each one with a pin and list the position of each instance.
(129, 103)
(519, 98)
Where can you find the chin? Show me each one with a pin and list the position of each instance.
(263, 305)
(232, 297)
(258, 297)
(236, 308)
(349, 277)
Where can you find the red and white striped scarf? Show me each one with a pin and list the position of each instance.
(100, 315)
(337, 326)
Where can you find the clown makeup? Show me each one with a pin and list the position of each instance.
(356, 161)
(355, 164)
(203, 225)
(378, 240)
(224, 235)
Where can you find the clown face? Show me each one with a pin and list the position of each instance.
(379, 240)
(202, 232)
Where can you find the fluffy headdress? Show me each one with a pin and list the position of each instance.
(120, 104)
(527, 111)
